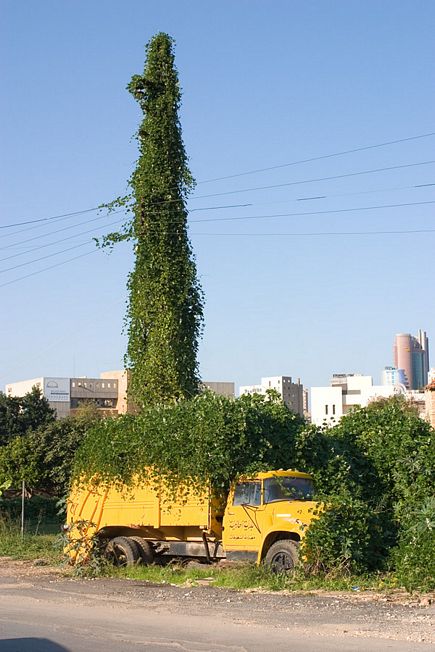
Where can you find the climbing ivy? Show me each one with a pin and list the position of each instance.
(165, 307)
(373, 471)
(209, 439)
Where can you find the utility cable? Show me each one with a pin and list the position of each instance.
(321, 233)
(270, 203)
(65, 228)
(319, 158)
(90, 210)
(213, 219)
(318, 233)
(50, 244)
(316, 179)
(325, 212)
(45, 269)
(231, 176)
(36, 260)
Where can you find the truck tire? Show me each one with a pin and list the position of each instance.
(145, 550)
(282, 556)
(123, 551)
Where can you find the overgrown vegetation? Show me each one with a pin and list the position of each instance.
(373, 471)
(164, 314)
(36, 448)
(207, 439)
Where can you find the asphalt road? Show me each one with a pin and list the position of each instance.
(46, 613)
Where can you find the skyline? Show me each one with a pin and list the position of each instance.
(296, 378)
(263, 87)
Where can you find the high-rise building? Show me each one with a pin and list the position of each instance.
(292, 393)
(412, 355)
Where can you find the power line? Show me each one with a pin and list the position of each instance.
(345, 194)
(50, 244)
(232, 176)
(90, 210)
(39, 271)
(325, 212)
(320, 233)
(319, 158)
(65, 228)
(306, 234)
(217, 219)
(54, 217)
(296, 199)
(36, 260)
(303, 181)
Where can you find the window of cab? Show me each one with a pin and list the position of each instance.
(247, 493)
(286, 488)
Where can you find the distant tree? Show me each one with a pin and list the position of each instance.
(43, 458)
(21, 414)
(165, 310)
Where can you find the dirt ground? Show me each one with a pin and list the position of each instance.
(395, 616)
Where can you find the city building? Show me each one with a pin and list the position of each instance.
(220, 387)
(329, 404)
(411, 354)
(393, 376)
(429, 393)
(66, 395)
(107, 393)
(291, 393)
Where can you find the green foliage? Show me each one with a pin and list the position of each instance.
(40, 512)
(43, 458)
(415, 555)
(209, 438)
(165, 311)
(373, 471)
(347, 538)
(380, 463)
(18, 415)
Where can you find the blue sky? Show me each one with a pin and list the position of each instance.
(264, 84)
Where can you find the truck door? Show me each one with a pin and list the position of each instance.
(242, 535)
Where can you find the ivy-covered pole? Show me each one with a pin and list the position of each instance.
(165, 309)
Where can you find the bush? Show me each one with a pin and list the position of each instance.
(371, 470)
(415, 555)
(208, 439)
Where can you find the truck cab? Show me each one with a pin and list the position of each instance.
(266, 517)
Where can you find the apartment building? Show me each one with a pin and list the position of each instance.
(329, 404)
(292, 393)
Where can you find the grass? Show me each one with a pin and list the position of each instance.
(49, 547)
(32, 545)
(249, 576)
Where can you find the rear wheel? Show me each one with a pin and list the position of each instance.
(123, 551)
(145, 550)
(282, 556)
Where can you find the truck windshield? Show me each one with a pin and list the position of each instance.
(288, 489)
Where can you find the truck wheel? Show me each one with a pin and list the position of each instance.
(122, 551)
(145, 550)
(282, 556)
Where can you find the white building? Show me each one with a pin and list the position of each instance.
(329, 404)
(393, 376)
(291, 393)
(65, 395)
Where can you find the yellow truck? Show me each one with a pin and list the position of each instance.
(263, 519)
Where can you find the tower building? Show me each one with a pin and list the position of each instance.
(412, 355)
